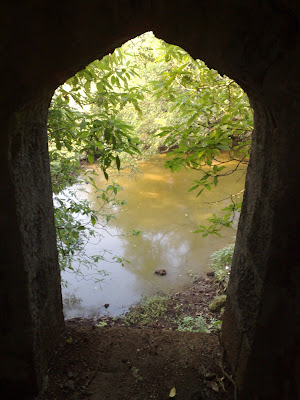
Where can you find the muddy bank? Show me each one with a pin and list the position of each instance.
(114, 359)
(165, 312)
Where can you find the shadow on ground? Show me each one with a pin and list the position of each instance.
(112, 363)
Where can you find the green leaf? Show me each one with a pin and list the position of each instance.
(192, 119)
(118, 162)
(223, 147)
(87, 86)
(193, 188)
(198, 194)
(90, 158)
(99, 87)
(75, 235)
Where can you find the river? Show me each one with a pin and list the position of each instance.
(157, 203)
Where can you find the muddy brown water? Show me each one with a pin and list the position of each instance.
(159, 205)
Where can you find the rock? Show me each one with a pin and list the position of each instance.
(160, 272)
(211, 274)
(217, 303)
(106, 305)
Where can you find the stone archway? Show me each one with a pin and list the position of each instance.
(255, 43)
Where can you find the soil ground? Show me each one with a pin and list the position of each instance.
(127, 358)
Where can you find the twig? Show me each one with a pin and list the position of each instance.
(229, 197)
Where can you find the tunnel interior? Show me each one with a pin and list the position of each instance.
(254, 43)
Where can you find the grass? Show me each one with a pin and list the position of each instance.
(148, 311)
(159, 309)
(191, 324)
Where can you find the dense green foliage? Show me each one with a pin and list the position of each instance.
(147, 96)
(83, 124)
(201, 119)
(83, 117)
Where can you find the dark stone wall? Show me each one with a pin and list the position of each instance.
(254, 42)
(31, 307)
(261, 322)
(260, 327)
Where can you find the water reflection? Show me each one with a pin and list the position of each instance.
(159, 204)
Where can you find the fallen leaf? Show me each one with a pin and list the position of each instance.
(173, 392)
(213, 385)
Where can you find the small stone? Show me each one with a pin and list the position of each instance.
(160, 272)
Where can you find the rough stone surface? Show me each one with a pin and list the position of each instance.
(262, 292)
(254, 42)
(32, 319)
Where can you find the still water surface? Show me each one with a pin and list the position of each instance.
(157, 203)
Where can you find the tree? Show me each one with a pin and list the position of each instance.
(201, 119)
(83, 124)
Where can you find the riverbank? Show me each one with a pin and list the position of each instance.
(142, 358)
(168, 311)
